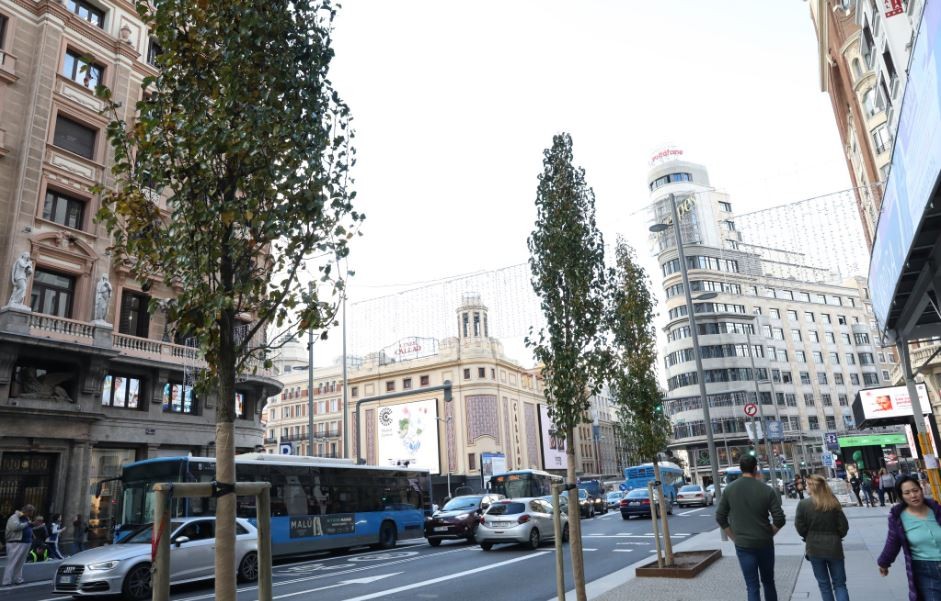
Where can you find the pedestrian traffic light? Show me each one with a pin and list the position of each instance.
(658, 408)
(752, 452)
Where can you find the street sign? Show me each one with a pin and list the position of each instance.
(754, 430)
(751, 409)
(827, 459)
(286, 448)
(775, 430)
(830, 440)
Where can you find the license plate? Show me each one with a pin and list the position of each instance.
(634, 503)
(499, 524)
(441, 529)
(66, 579)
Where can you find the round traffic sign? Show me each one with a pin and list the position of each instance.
(751, 409)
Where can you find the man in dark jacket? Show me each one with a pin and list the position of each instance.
(743, 513)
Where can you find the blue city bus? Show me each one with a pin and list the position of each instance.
(671, 475)
(316, 503)
(524, 483)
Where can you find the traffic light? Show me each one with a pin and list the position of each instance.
(752, 452)
(658, 408)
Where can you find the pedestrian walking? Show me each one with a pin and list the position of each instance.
(887, 485)
(867, 489)
(856, 484)
(52, 542)
(878, 482)
(915, 529)
(38, 551)
(822, 524)
(79, 534)
(799, 485)
(743, 513)
(19, 537)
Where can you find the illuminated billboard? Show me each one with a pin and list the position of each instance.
(891, 402)
(553, 442)
(408, 432)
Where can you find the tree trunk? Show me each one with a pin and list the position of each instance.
(575, 526)
(667, 544)
(225, 463)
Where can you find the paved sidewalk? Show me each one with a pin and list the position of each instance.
(794, 578)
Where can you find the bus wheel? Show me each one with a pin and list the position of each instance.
(387, 536)
(248, 568)
(137, 583)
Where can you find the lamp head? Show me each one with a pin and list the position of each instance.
(659, 227)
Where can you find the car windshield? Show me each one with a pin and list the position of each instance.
(582, 493)
(562, 499)
(691, 488)
(144, 534)
(462, 503)
(614, 495)
(505, 508)
(640, 493)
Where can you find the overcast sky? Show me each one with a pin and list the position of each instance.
(455, 102)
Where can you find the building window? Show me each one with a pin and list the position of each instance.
(423, 380)
(471, 461)
(866, 359)
(52, 293)
(838, 379)
(808, 399)
(845, 338)
(885, 375)
(64, 210)
(153, 51)
(828, 336)
(481, 372)
(774, 313)
(818, 357)
(467, 373)
(831, 422)
(120, 391)
(390, 386)
(808, 317)
(73, 136)
(82, 71)
(843, 399)
(850, 359)
(813, 336)
(725, 206)
(87, 12)
(822, 379)
(406, 384)
(854, 379)
(792, 314)
(870, 379)
(134, 319)
(3, 32)
(827, 401)
(825, 317)
(805, 377)
(178, 398)
(796, 335)
(861, 338)
(801, 356)
(813, 423)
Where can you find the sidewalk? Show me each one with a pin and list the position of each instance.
(794, 578)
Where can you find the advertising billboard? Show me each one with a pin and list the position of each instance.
(894, 401)
(490, 464)
(408, 432)
(553, 445)
(916, 162)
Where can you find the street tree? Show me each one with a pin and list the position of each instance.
(230, 184)
(635, 390)
(567, 262)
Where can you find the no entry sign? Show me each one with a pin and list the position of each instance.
(751, 409)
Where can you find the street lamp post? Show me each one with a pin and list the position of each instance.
(761, 412)
(447, 446)
(710, 441)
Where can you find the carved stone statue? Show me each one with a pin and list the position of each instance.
(102, 298)
(22, 271)
(43, 386)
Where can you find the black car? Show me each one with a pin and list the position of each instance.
(591, 503)
(458, 519)
(637, 503)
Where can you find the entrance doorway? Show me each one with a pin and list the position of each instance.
(25, 479)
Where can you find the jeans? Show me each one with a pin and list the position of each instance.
(927, 579)
(882, 497)
(757, 563)
(16, 557)
(831, 578)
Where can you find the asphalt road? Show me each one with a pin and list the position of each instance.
(454, 571)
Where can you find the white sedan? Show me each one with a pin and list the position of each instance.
(693, 494)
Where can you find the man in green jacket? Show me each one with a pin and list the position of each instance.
(743, 513)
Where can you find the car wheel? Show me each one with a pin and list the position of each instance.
(565, 533)
(387, 536)
(486, 546)
(591, 512)
(534, 539)
(136, 585)
(248, 568)
(434, 542)
(625, 516)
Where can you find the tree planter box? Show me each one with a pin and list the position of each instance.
(686, 564)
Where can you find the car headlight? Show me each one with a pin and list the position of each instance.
(103, 566)
(463, 516)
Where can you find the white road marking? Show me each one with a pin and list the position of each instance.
(689, 512)
(623, 550)
(583, 549)
(641, 544)
(365, 580)
(415, 585)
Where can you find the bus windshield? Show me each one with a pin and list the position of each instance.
(516, 485)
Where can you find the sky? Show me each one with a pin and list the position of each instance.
(454, 103)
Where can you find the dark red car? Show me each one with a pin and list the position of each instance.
(458, 519)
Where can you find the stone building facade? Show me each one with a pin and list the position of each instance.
(89, 379)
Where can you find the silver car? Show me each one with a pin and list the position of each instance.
(124, 567)
(527, 521)
(693, 494)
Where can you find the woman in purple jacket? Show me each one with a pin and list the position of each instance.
(915, 529)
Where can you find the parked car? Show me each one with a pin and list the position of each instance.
(458, 519)
(525, 521)
(693, 494)
(637, 503)
(123, 568)
(711, 489)
(613, 499)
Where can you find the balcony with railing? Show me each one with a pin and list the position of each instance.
(918, 357)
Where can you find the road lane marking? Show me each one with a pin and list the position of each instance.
(366, 580)
(623, 550)
(641, 544)
(689, 512)
(415, 585)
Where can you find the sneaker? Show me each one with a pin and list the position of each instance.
(18, 582)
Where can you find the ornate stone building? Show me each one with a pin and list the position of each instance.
(89, 379)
